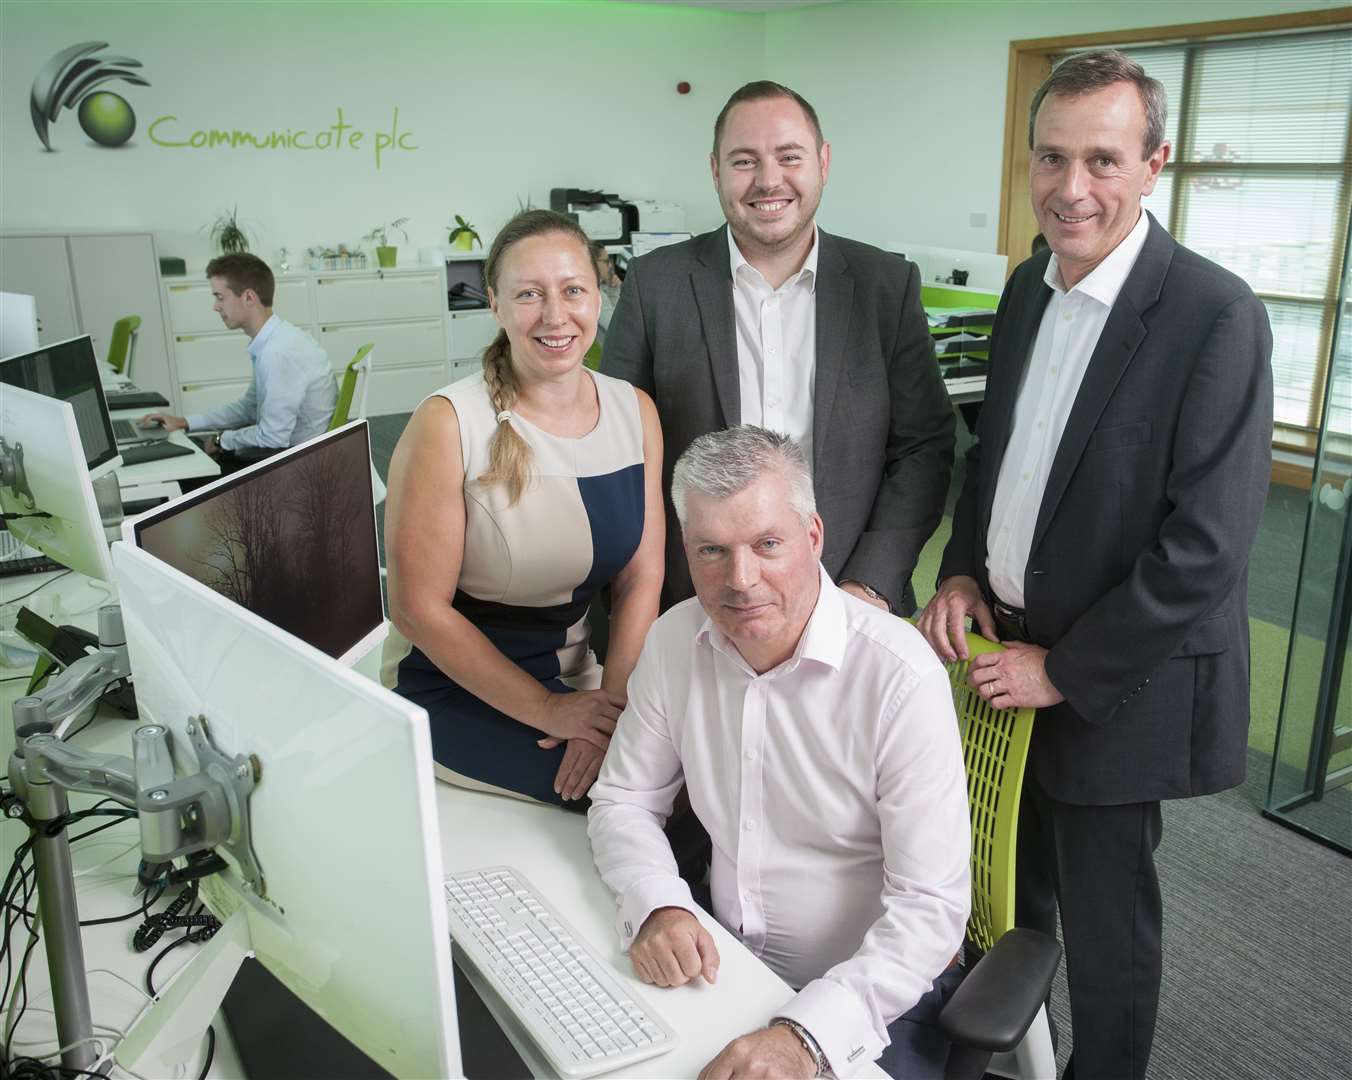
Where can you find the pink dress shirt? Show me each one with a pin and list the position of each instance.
(833, 789)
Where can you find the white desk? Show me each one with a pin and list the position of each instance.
(966, 390)
(549, 846)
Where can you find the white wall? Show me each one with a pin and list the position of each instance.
(506, 100)
(502, 100)
(912, 99)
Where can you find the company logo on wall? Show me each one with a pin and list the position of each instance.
(69, 80)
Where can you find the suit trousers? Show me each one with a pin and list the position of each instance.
(1096, 864)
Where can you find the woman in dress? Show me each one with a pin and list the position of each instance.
(514, 496)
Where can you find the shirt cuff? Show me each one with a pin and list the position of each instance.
(840, 1024)
(644, 897)
(196, 421)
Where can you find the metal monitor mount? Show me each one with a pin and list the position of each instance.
(205, 810)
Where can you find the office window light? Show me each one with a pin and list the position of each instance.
(1260, 180)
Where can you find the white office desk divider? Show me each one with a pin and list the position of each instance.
(352, 918)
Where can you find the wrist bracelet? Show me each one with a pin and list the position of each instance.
(804, 1036)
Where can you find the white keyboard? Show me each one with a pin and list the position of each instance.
(572, 1006)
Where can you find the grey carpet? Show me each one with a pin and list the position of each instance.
(1258, 920)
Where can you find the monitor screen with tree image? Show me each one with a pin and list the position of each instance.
(292, 538)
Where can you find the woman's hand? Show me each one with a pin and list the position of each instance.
(577, 772)
(588, 715)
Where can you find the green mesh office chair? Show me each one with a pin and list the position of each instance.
(997, 1018)
(122, 345)
(357, 370)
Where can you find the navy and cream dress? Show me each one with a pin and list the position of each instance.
(527, 579)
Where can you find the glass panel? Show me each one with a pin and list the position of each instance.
(1159, 200)
(1311, 780)
(1272, 101)
(1276, 231)
(1296, 330)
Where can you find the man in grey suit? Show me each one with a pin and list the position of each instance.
(1103, 533)
(774, 322)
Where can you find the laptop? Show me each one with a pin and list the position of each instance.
(130, 432)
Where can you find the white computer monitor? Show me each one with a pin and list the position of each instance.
(292, 538)
(18, 324)
(41, 432)
(344, 818)
(985, 270)
(69, 370)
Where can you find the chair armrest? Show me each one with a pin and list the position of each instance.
(998, 999)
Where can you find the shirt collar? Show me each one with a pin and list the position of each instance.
(1105, 281)
(261, 338)
(806, 274)
(822, 640)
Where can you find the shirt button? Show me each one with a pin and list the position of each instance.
(749, 825)
(748, 896)
(751, 755)
(1052, 369)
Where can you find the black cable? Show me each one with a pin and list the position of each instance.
(30, 592)
(150, 989)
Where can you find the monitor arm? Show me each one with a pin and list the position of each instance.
(198, 812)
(79, 686)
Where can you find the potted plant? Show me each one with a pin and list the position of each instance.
(386, 253)
(463, 235)
(227, 235)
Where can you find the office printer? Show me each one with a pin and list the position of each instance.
(608, 219)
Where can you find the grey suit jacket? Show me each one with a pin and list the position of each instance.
(1137, 577)
(882, 425)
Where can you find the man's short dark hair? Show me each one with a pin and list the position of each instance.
(1085, 73)
(242, 271)
(763, 90)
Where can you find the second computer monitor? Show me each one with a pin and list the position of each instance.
(69, 371)
(47, 490)
(293, 539)
(346, 906)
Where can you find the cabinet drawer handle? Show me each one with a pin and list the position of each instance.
(182, 288)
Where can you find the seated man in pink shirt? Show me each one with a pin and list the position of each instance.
(817, 739)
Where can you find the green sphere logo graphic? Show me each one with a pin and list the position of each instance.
(107, 118)
(68, 81)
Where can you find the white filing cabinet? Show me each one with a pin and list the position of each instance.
(401, 312)
(85, 282)
(468, 335)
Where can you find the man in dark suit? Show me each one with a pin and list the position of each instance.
(774, 322)
(1103, 533)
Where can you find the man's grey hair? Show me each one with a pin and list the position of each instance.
(724, 463)
(1085, 73)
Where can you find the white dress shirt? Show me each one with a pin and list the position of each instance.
(776, 346)
(290, 398)
(834, 791)
(1066, 338)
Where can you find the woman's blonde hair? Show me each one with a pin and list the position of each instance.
(509, 453)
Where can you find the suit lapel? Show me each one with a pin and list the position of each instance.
(712, 281)
(834, 301)
(1122, 336)
(1014, 345)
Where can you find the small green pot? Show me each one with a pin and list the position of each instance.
(386, 256)
(465, 242)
